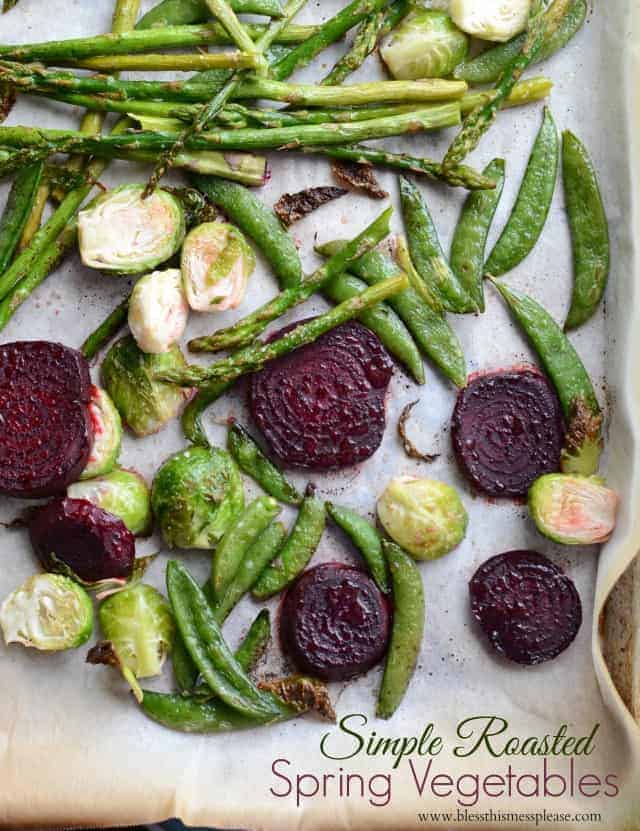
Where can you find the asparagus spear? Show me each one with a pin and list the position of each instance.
(109, 327)
(169, 12)
(17, 210)
(254, 357)
(364, 43)
(162, 63)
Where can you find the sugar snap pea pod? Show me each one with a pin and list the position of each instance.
(184, 12)
(382, 320)
(427, 254)
(298, 549)
(589, 230)
(531, 208)
(486, 67)
(191, 420)
(470, 235)
(407, 630)
(17, 210)
(366, 539)
(238, 539)
(433, 334)
(185, 671)
(258, 466)
(259, 223)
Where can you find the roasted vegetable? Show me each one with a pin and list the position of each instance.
(426, 44)
(294, 206)
(123, 493)
(158, 311)
(496, 20)
(107, 434)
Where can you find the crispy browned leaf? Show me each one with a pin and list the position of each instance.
(302, 693)
(294, 206)
(359, 177)
(7, 100)
(409, 447)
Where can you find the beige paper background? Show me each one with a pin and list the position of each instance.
(75, 751)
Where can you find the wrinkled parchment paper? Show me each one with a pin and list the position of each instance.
(75, 751)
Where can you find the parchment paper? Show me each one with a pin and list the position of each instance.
(74, 749)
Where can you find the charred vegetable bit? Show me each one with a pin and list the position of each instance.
(291, 207)
(409, 447)
(360, 177)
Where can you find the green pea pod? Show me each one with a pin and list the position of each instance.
(297, 550)
(184, 12)
(487, 67)
(471, 232)
(366, 539)
(191, 420)
(184, 669)
(532, 205)
(589, 230)
(383, 321)
(255, 641)
(261, 469)
(258, 222)
(238, 539)
(431, 332)
(407, 631)
(427, 254)
(17, 210)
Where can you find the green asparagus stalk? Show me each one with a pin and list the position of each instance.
(245, 331)
(193, 61)
(364, 43)
(254, 357)
(17, 210)
(524, 92)
(176, 12)
(108, 329)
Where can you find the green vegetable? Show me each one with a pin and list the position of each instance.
(107, 435)
(366, 539)
(121, 492)
(187, 62)
(196, 496)
(139, 624)
(238, 538)
(144, 403)
(123, 233)
(109, 327)
(491, 19)
(407, 631)
(179, 12)
(297, 550)
(471, 232)
(430, 330)
(589, 231)
(261, 469)
(158, 311)
(17, 209)
(532, 205)
(573, 510)
(427, 518)
(427, 44)
(49, 612)
(192, 415)
(364, 43)
(583, 442)
(255, 641)
(427, 254)
(488, 65)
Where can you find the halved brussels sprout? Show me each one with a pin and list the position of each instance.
(195, 497)
(139, 624)
(217, 262)
(145, 404)
(494, 20)
(121, 492)
(107, 434)
(573, 510)
(426, 44)
(158, 311)
(425, 517)
(124, 233)
(49, 612)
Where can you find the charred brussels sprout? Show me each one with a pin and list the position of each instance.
(49, 612)
(195, 497)
(145, 404)
(107, 434)
(217, 262)
(426, 44)
(425, 517)
(121, 492)
(158, 311)
(573, 510)
(126, 234)
(139, 624)
(495, 20)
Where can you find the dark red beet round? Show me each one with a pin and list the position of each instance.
(322, 406)
(528, 608)
(93, 543)
(335, 622)
(45, 427)
(507, 430)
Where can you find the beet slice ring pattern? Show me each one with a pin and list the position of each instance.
(335, 622)
(527, 607)
(76, 534)
(507, 430)
(322, 406)
(45, 427)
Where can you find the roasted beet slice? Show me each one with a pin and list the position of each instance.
(45, 427)
(528, 608)
(75, 534)
(507, 430)
(322, 406)
(335, 622)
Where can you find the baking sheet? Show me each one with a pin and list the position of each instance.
(74, 750)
